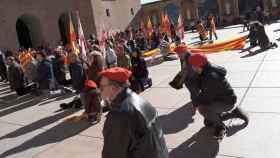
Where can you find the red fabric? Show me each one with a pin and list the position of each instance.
(90, 84)
(198, 60)
(118, 74)
(180, 49)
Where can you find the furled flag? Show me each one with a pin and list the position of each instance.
(142, 26)
(72, 36)
(72, 40)
(81, 39)
(149, 28)
(166, 24)
(180, 28)
(103, 37)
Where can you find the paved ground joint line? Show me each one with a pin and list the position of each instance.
(252, 80)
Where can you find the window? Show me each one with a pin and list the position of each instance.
(131, 11)
(108, 12)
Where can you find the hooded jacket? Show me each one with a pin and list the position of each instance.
(214, 87)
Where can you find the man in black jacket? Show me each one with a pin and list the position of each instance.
(131, 129)
(216, 99)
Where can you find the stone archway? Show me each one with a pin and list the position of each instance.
(29, 31)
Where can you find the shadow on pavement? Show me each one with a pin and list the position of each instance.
(15, 101)
(20, 106)
(253, 53)
(56, 134)
(38, 124)
(182, 117)
(200, 145)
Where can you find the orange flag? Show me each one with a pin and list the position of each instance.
(72, 40)
(149, 28)
(166, 24)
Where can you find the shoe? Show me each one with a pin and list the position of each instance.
(208, 123)
(77, 104)
(94, 119)
(239, 113)
(236, 113)
(219, 133)
(65, 106)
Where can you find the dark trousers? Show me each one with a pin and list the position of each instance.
(213, 112)
(215, 34)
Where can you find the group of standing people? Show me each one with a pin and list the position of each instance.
(210, 26)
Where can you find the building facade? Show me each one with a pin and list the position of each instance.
(32, 23)
(228, 11)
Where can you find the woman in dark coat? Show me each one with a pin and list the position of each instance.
(140, 72)
(15, 76)
(45, 71)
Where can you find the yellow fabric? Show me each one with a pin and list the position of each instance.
(232, 44)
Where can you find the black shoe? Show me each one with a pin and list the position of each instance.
(65, 106)
(219, 133)
(77, 104)
(208, 123)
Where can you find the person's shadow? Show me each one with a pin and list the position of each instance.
(177, 120)
(38, 124)
(56, 134)
(200, 145)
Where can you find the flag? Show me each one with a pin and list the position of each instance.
(149, 28)
(72, 36)
(103, 37)
(166, 24)
(180, 28)
(25, 58)
(72, 40)
(129, 29)
(142, 26)
(81, 39)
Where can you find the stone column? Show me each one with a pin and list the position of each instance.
(236, 8)
(221, 6)
(195, 9)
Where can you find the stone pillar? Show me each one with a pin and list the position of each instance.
(195, 9)
(236, 8)
(221, 6)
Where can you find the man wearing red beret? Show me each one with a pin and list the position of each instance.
(216, 98)
(131, 129)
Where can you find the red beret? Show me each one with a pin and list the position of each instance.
(90, 84)
(198, 60)
(116, 74)
(180, 49)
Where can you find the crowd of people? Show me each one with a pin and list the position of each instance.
(110, 79)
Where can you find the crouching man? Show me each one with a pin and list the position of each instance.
(216, 99)
(131, 129)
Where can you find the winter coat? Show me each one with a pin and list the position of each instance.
(124, 61)
(262, 37)
(139, 68)
(132, 129)
(59, 69)
(96, 66)
(15, 76)
(77, 75)
(214, 87)
(31, 70)
(45, 74)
